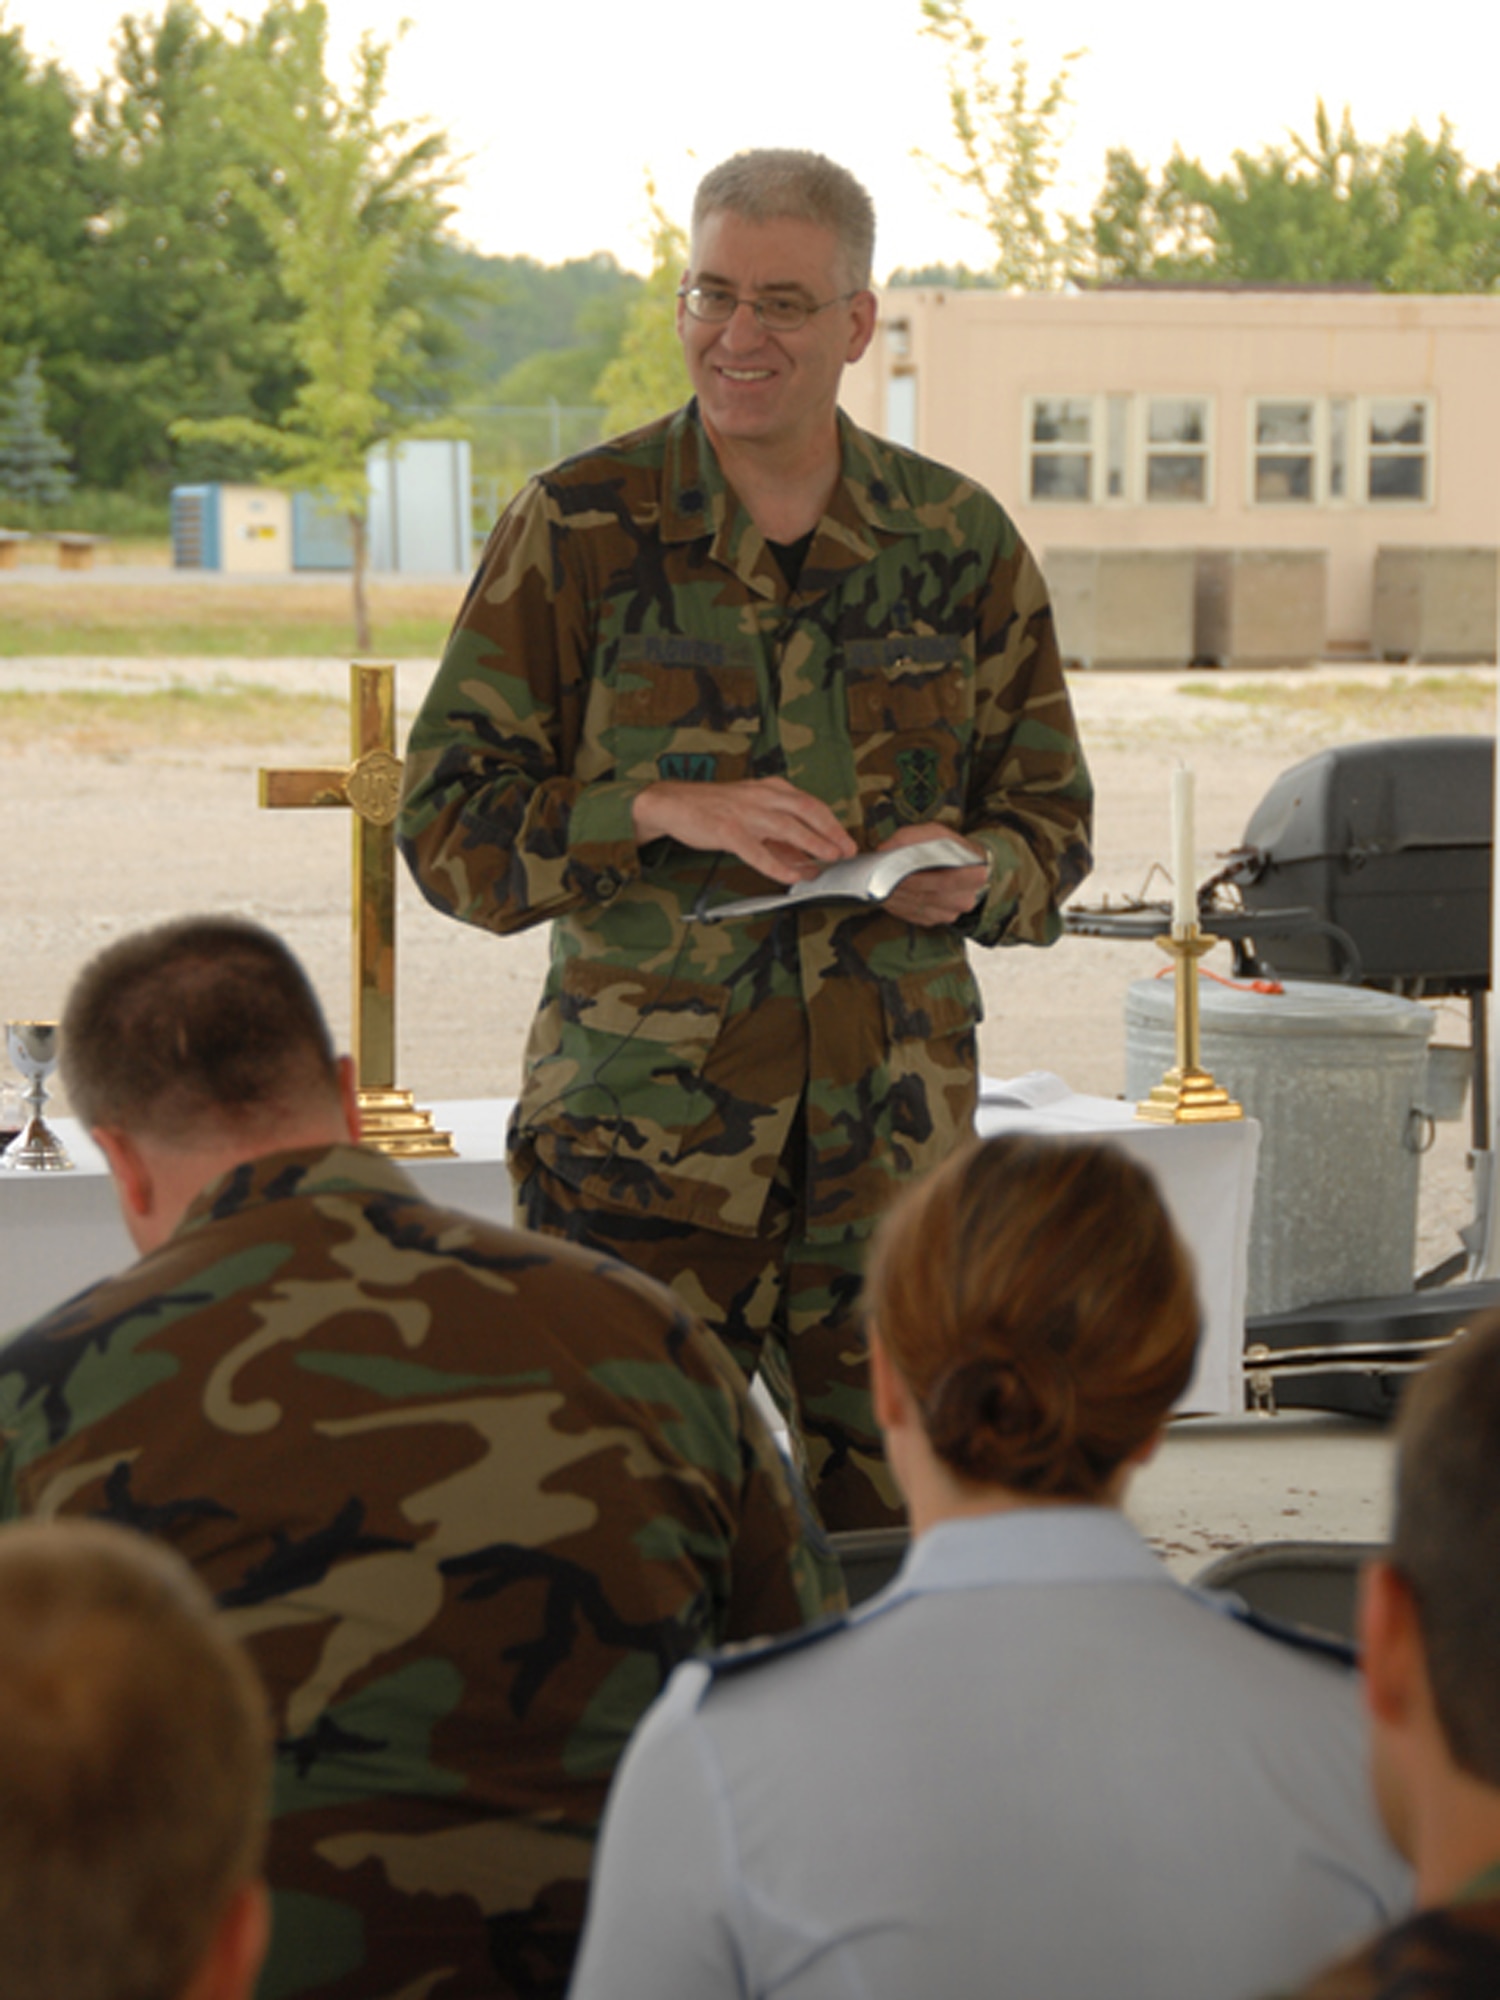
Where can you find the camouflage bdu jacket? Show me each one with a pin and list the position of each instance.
(629, 624)
(467, 1495)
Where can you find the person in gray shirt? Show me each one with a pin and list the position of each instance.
(1035, 1764)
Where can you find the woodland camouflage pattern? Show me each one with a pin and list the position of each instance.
(629, 624)
(1443, 1954)
(467, 1494)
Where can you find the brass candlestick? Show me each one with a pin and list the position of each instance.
(1187, 1094)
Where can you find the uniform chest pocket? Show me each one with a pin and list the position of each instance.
(686, 709)
(911, 719)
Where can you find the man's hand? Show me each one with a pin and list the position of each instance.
(785, 833)
(935, 895)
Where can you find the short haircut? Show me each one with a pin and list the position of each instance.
(771, 183)
(1446, 1539)
(1041, 1309)
(134, 1765)
(203, 1023)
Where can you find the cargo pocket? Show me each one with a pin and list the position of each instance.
(910, 726)
(617, 1059)
(683, 709)
(931, 1018)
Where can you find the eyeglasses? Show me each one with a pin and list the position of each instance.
(778, 314)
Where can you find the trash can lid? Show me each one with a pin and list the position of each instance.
(1304, 1007)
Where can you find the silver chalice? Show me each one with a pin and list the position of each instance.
(32, 1047)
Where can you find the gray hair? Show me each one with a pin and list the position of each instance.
(772, 183)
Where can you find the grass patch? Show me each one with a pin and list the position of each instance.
(101, 616)
(103, 723)
(1382, 707)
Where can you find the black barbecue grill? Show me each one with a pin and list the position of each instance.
(1390, 844)
(1373, 862)
(1370, 863)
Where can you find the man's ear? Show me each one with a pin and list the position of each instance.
(863, 309)
(231, 1965)
(1390, 1642)
(128, 1168)
(349, 1097)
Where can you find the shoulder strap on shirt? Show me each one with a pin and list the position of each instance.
(731, 1660)
(1302, 1638)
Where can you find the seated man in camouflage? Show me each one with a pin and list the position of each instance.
(134, 1775)
(1430, 1641)
(467, 1494)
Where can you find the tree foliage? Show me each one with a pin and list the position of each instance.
(33, 463)
(1008, 141)
(346, 196)
(188, 316)
(1410, 215)
(44, 208)
(648, 376)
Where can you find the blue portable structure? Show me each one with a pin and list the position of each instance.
(195, 527)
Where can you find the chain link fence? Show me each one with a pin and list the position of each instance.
(510, 441)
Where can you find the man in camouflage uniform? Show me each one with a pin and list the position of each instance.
(737, 645)
(1430, 1659)
(468, 1496)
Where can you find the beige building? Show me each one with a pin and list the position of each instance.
(1127, 421)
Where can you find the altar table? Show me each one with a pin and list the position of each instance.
(60, 1232)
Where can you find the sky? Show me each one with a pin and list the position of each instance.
(560, 110)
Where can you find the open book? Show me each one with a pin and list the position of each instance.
(864, 878)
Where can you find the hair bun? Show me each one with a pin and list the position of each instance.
(992, 1419)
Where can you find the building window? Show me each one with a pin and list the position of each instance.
(1397, 449)
(901, 408)
(1176, 459)
(1286, 457)
(1118, 449)
(1333, 451)
(1062, 448)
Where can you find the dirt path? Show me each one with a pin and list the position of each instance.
(103, 830)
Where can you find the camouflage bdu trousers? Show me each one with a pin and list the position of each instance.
(783, 1307)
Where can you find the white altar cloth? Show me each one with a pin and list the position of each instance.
(60, 1232)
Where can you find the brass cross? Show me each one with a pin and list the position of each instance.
(371, 788)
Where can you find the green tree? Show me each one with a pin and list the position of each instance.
(44, 207)
(648, 376)
(348, 195)
(189, 317)
(1408, 215)
(1008, 145)
(33, 463)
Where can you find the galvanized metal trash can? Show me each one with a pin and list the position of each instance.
(1336, 1075)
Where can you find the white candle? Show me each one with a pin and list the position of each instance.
(1184, 888)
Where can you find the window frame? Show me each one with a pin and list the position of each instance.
(1119, 448)
(1342, 451)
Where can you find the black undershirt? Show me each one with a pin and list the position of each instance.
(790, 556)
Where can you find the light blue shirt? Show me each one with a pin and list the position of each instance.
(1034, 1766)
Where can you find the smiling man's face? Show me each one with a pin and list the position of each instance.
(755, 387)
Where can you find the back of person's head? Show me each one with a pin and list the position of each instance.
(777, 183)
(1446, 1539)
(207, 1023)
(134, 1766)
(1041, 1310)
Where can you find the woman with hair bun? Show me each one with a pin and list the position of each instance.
(1035, 1765)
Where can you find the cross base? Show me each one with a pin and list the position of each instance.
(391, 1122)
(1188, 1097)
